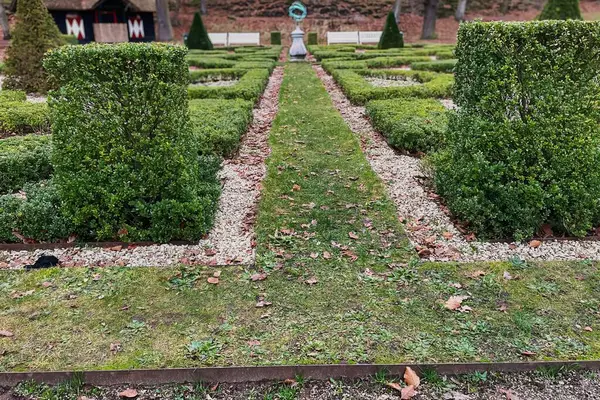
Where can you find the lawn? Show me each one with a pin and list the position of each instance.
(335, 281)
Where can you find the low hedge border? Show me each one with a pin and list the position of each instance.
(250, 87)
(359, 91)
(413, 125)
(24, 159)
(19, 117)
(435, 66)
(219, 124)
(378, 62)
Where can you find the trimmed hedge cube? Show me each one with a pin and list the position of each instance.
(250, 86)
(276, 38)
(124, 151)
(524, 148)
(313, 39)
(24, 159)
(415, 125)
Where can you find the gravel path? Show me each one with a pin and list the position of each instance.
(428, 225)
(231, 239)
(391, 82)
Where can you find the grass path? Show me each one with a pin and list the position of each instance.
(335, 281)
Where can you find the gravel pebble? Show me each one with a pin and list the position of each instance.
(221, 83)
(231, 239)
(390, 82)
(428, 227)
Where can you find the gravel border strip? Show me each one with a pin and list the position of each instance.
(230, 241)
(429, 229)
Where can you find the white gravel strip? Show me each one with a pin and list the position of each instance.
(231, 241)
(428, 227)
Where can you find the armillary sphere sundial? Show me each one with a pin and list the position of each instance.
(297, 12)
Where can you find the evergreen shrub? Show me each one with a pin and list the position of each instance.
(198, 36)
(24, 159)
(126, 161)
(391, 36)
(561, 9)
(524, 148)
(313, 38)
(276, 38)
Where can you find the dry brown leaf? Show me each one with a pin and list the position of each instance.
(407, 393)
(213, 280)
(476, 274)
(18, 295)
(353, 235)
(128, 393)
(312, 280)
(528, 353)
(217, 274)
(210, 252)
(296, 188)
(326, 255)
(115, 248)
(507, 275)
(447, 235)
(534, 244)
(258, 277)
(291, 382)
(115, 347)
(454, 302)
(262, 303)
(253, 342)
(394, 385)
(411, 378)
(5, 333)
(587, 329)
(314, 256)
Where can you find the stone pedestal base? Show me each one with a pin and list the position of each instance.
(298, 50)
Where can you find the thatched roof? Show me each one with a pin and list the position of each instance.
(82, 5)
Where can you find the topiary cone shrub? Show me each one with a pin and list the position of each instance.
(391, 36)
(561, 9)
(198, 37)
(524, 148)
(126, 164)
(275, 38)
(33, 35)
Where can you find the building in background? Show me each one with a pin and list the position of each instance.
(106, 21)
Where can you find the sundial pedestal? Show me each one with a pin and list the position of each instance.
(298, 50)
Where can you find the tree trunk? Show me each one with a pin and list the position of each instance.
(4, 23)
(397, 7)
(505, 6)
(431, 7)
(460, 10)
(175, 21)
(203, 7)
(165, 30)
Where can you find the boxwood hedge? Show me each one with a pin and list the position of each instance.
(524, 148)
(359, 91)
(414, 125)
(218, 124)
(19, 117)
(377, 62)
(436, 66)
(250, 87)
(125, 158)
(24, 159)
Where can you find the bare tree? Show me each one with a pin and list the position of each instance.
(4, 23)
(397, 8)
(203, 7)
(165, 30)
(460, 10)
(431, 7)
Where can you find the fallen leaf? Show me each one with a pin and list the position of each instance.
(312, 280)
(503, 307)
(476, 274)
(587, 329)
(353, 235)
(394, 385)
(115, 347)
(116, 248)
(547, 230)
(262, 303)
(407, 393)
(253, 342)
(217, 274)
(411, 378)
(507, 275)
(528, 353)
(296, 188)
(326, 255)
(314, 255)
(454, 302)
(258, 277)
(291, 382)
(470, 237)
(534, 244)
(5, 333)
(210, 252)
(214, 387)
(507, 393)
(18, 295)
(213, 280)
(128, 393)
(447, 235)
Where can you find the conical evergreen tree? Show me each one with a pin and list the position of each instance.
(34, 34)
(391, 36)
(198, 37)
(561, 9)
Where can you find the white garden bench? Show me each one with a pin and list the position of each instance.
(369, 37)
(218, 39)
(342, 37)
(250, 38)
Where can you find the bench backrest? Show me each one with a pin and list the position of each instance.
(218, 39)
(369, 37)
(342, 37)
(251, 38)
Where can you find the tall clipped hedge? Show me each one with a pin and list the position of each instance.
(391, 36)
(561, 9)
(125, 159)
(198, 37)
(275, 38)
(33, 35)
(524, 148)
